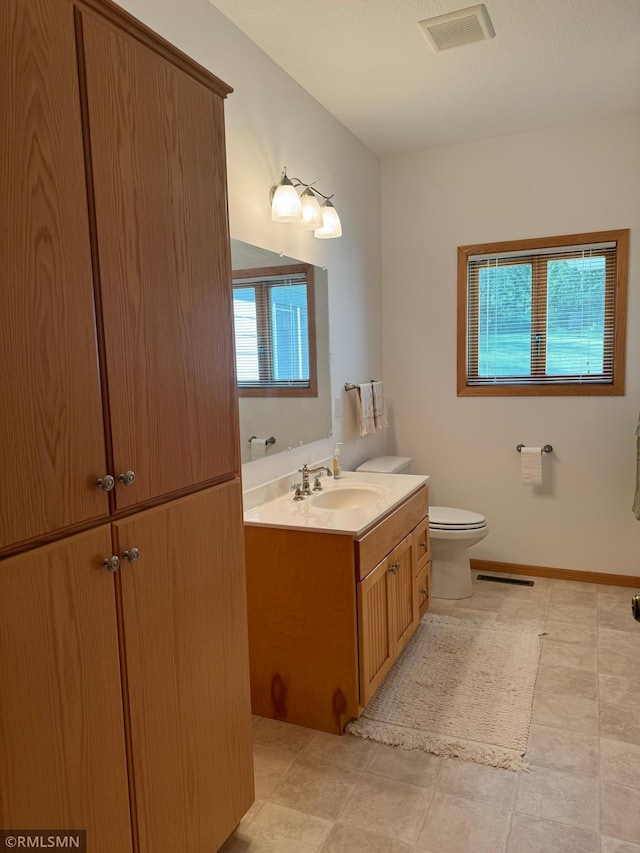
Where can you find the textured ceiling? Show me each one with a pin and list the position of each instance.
(551, 62)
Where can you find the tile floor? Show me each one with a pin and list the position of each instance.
(319, 793)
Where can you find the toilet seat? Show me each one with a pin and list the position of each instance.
(450, 518)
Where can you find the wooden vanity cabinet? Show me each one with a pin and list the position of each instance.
(329, 613)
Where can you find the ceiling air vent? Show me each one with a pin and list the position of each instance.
(457, 28)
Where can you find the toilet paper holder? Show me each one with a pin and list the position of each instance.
(546, 449)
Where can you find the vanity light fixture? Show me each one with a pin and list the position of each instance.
(304, 209)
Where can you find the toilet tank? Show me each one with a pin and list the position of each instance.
(387, 465)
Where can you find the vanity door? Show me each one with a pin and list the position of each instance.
(387, 615)
(401, 562)
(375, 629)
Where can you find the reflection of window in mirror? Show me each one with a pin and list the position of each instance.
(275, 334)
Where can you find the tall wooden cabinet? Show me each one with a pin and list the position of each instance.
(123, 639)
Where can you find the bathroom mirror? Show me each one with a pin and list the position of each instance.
(288, 400)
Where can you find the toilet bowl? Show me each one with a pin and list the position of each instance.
(452, 532)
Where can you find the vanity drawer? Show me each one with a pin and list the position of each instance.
(423, 588)
(421, 545)
(377, 543)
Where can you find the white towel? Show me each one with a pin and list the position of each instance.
(379, 407)
(366, 414)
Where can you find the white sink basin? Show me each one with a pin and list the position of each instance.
(350, 497)
(349, 505)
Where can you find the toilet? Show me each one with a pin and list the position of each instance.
(452, 532)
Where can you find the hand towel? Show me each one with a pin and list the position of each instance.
(379, 407)
(366, 416)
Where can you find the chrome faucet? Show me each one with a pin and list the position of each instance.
(319, 471)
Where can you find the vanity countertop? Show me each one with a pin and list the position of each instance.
(381, 493)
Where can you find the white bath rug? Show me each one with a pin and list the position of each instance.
(461, 688)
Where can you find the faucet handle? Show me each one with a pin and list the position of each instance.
(316, 482)
(298, 496)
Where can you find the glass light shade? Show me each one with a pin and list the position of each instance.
(311, 212)
(331, 226)
(285, 205)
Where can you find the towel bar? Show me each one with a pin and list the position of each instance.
(546, 449)
(350, 386)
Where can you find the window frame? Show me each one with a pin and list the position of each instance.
(618, 293)
(266, 276)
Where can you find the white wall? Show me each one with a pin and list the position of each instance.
(271, 123)
(558, 181)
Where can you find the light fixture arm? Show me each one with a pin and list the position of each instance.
(298, 183)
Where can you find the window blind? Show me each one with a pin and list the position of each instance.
(271, 319)
(542, 316)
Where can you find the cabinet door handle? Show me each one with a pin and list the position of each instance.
(127, 477)
(132, 555)
(111, 564)
(106, 483)
(393, 568)
(423, 545)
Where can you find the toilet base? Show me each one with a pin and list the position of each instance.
(450, 572)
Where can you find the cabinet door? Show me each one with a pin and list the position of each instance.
(52, 447)
(375, 629)
(401, 562)
(421, 544)
(159, 172)
(62, 746)
(423, 593)
(185, 624)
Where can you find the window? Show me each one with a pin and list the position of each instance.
(274, 320)
(543, 316)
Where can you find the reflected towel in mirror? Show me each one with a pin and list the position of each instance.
(366, 413)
